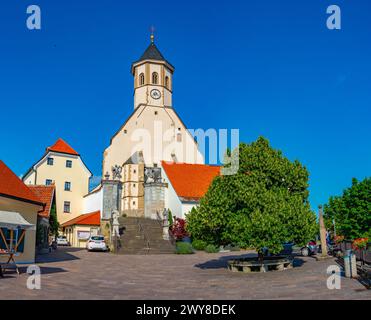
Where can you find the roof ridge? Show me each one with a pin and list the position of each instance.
(191, 164)
(41, 185)
(81, 218)
(62, 146)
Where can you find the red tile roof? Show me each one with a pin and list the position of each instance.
(13, 187)
(190, 181)
(46, 195)
(90, 219)
(62, 147)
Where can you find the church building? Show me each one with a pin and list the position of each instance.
(153, 133)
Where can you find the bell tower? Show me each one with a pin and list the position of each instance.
(153, 78)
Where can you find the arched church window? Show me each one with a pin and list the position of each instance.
(141, 79)
(155, 78)
(167, 82)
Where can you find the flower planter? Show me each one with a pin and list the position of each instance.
(187, 240)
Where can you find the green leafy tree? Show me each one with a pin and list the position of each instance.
(262, 206)
(351, 211)
(53, 221)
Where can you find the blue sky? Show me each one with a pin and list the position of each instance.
(268, 68)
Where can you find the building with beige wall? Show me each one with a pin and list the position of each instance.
(62, 166)
(80, 229)
(16, 197)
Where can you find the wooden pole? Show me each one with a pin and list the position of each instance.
(11, 239)
(3, 237)
(20, 240)
(322, 232)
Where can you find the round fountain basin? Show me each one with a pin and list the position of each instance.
(249, 265)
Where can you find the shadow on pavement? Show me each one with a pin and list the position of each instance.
(44, 270)
(222, 262)
(60, 255)
(10, 274)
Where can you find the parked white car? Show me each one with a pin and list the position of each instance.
(96, 243)
(62, 241)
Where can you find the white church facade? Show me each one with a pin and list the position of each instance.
(153, 134)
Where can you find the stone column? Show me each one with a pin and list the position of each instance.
(154, 199)
(112, 194)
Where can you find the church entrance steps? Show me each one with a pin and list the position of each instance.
(143, 236)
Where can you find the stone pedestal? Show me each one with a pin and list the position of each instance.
(347, 267)
(112, 193)
(354, 270)
(154, 199)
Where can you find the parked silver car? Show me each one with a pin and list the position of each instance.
(96, 243)
(62, 241)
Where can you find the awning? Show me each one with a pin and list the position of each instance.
(14, 221)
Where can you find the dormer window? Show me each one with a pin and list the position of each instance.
(141, 79)
(155, 78)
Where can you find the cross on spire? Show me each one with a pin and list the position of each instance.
(152, 34)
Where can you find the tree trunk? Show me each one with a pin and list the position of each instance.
(322, 230)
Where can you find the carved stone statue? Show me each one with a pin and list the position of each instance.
(115, 223)
(152, 175)
(165, 228)
(116, 172)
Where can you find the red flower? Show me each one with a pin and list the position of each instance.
(360, 243)
(339, 239)
(178, 229)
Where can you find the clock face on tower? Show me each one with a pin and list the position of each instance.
(156, 94)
